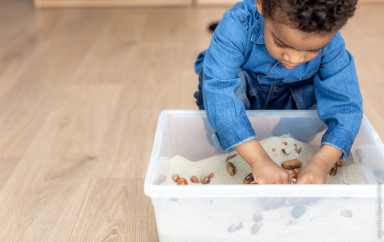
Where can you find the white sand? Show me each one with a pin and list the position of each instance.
(208, 219)
(348, 173)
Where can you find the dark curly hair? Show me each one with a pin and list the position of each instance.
(310, 15)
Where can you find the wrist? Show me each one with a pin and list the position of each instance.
(321, 164)
(326, 157)
(253, 153)
(259, 161)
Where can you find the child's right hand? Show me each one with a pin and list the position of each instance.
(264, 170)
(268, 172)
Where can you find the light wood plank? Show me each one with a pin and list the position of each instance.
(364, 40)
(42, 197)
(116, 210)
(7, 164)
(109, 3)
(232, 2)
(36, 70)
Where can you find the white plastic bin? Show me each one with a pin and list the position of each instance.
(307, 212)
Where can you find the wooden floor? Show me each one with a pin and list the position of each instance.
(80, 93)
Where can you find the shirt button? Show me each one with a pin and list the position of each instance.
(300, 78)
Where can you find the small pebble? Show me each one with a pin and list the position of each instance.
(346, 213)
(292, 222)
(255, 228)
(240, 226)
(232, 228)
(298, 211)
(257, 217)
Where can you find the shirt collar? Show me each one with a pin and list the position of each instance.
(258, 31)
(258, 36)
(251, 5)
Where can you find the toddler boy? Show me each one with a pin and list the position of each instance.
(281, 54)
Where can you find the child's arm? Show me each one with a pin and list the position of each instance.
(264, 170)
(315, 172)
(339, 105)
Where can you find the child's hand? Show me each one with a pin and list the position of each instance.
(264, 170)
(312, 173)
(268, 172)
(315, 172)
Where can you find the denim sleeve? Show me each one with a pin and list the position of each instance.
(225, 112)
(339, 101)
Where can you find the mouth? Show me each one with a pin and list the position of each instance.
(288, 66)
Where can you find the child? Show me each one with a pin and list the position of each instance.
(281, 54)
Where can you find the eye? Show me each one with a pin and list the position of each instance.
(279, 45)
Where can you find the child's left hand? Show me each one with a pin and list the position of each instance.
(312, 173)
(315, 172)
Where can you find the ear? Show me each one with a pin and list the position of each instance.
(259, 8)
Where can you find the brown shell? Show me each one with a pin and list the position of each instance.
(333, 170)
(248, 179)
(291, 164)
(230, 158)
(175, 177)
(194, 179)
(294, 175)
(231, 169)
(182, 181)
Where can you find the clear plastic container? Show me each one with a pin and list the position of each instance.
(299, 212)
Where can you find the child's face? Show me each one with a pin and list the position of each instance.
(292, 47)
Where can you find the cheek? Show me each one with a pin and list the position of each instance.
(309, 57)
(273, 50)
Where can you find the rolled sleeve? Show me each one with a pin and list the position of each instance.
(339, 138)
(235, 133)
(339, 101)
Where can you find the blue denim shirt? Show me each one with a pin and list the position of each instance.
(238, 43)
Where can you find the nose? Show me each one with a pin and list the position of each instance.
(293, 58)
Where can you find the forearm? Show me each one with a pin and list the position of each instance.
(326, 157)
(252, 152)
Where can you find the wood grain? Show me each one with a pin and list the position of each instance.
(80, 94)
(108, 3)
(121, 216)
(47, 187)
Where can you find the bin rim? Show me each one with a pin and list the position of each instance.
(270, 190)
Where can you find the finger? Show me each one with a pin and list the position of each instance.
(284, 179)
(289, 178)
(301, 180)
